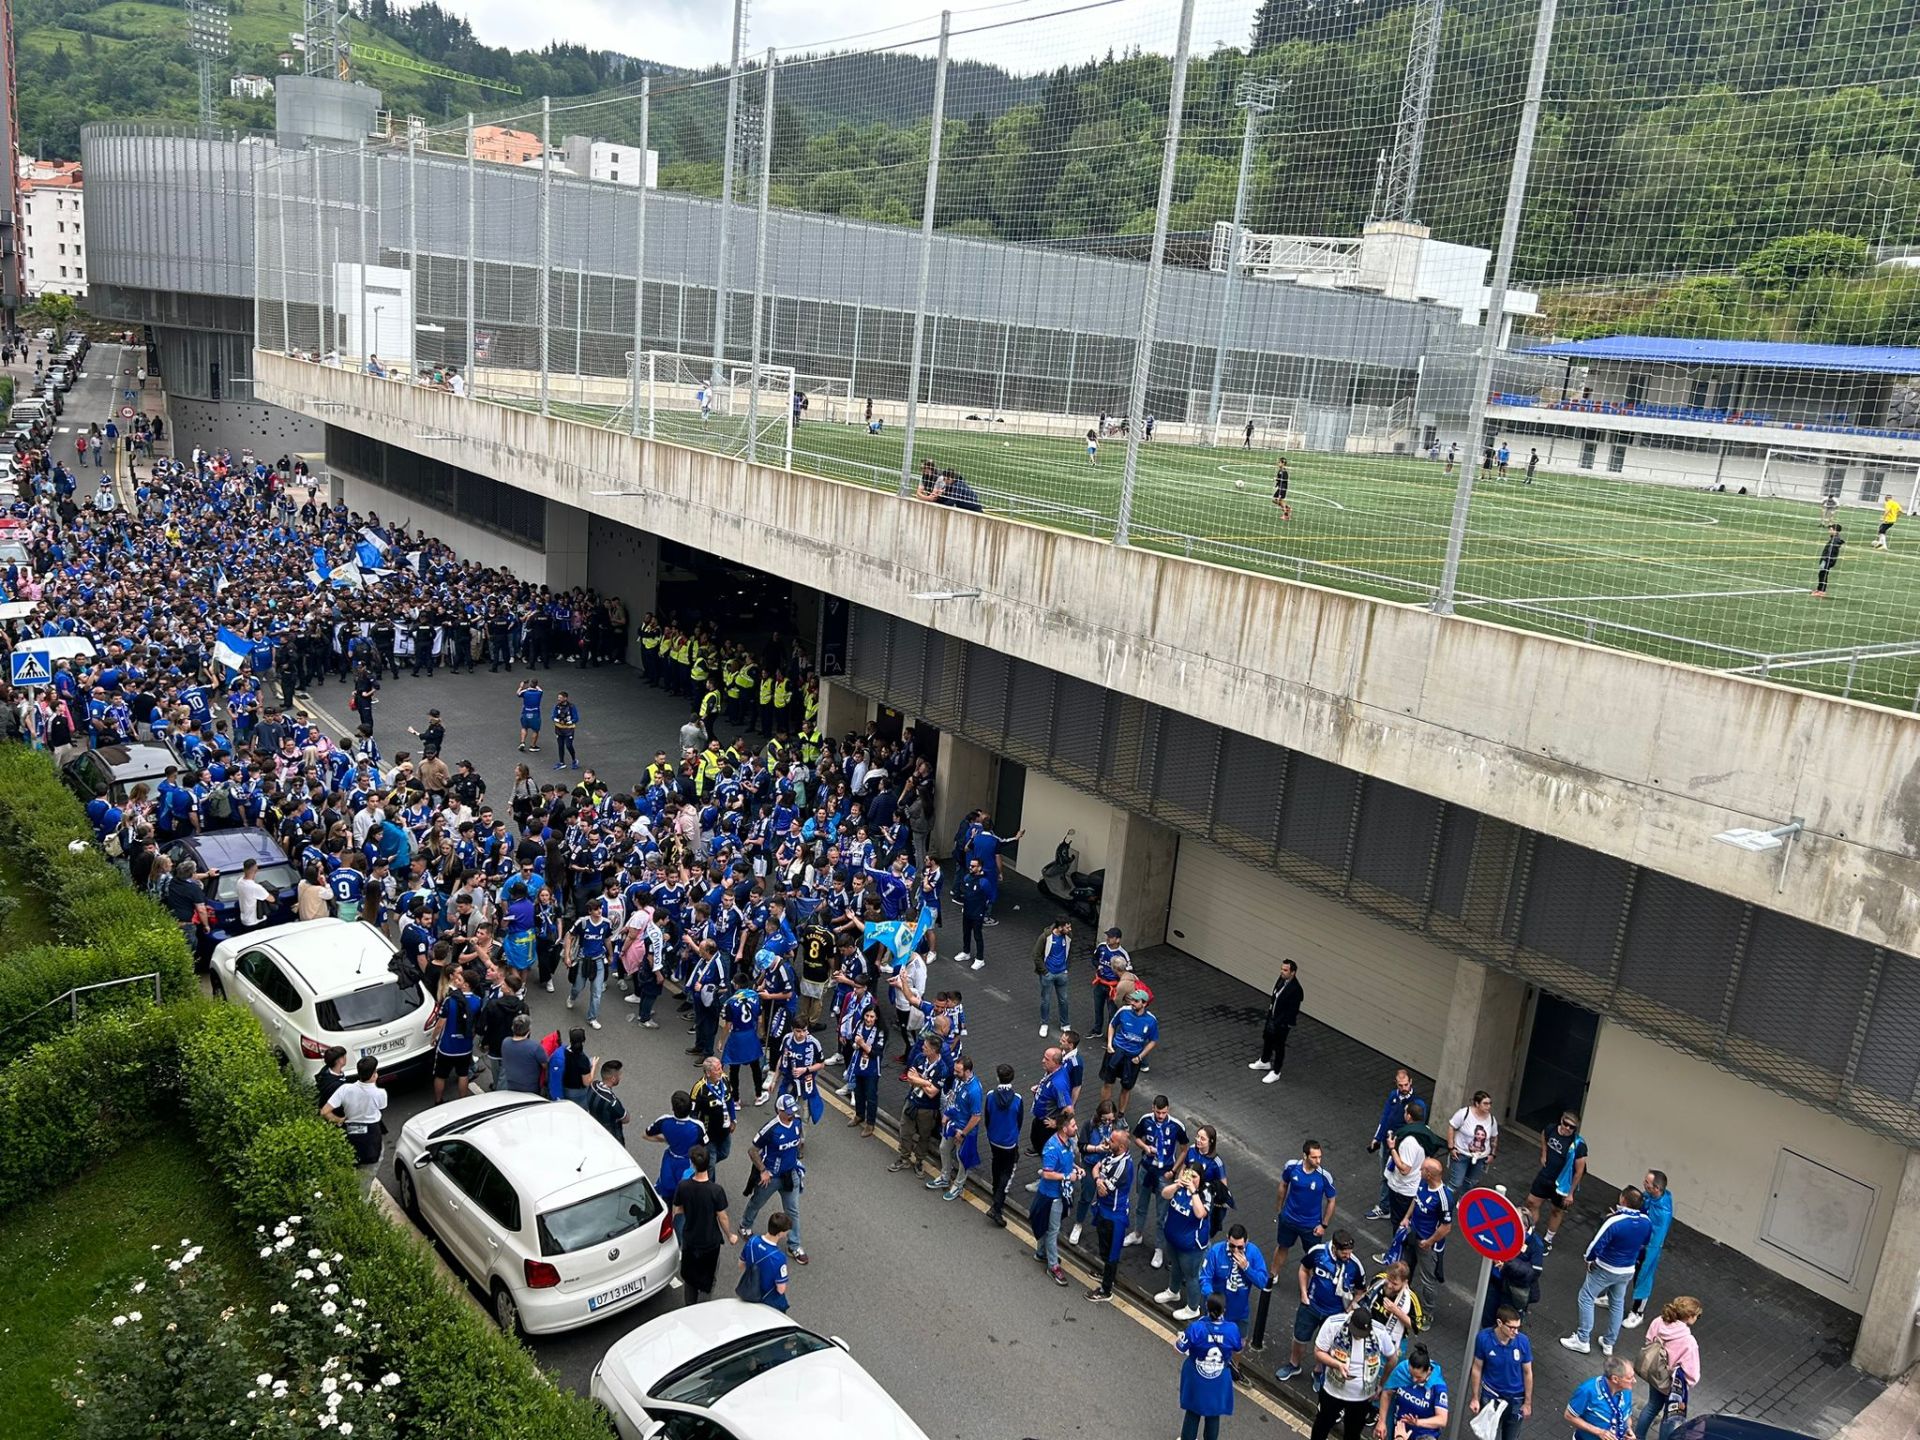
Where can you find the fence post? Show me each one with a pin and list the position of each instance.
(726, 204)
(1150, 291)
(640, 251)
(473, 350)
(546, 248)
(760, 267)
(926, 252)
(1496, 303)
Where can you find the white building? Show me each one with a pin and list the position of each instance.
(53, 217)
(603, 160)
(250, 87)
(1790, 420)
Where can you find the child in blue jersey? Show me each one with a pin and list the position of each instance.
(763, 1269)
(740, 1044)
(531, 696)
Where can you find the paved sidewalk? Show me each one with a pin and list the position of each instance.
(1772, 1350)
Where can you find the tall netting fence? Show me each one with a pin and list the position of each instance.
(1576, 316)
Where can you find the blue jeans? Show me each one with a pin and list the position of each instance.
(1604, 1282)
(1044, 1217)
(1146, 1195)
(649, 994)
(1055, 985)
(597, 986)
(1196, 1426)
(789, 1202)
(866, 1099)
(1644, 1427)
(1463, 1174)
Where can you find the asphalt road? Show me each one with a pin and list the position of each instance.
(951, 1314)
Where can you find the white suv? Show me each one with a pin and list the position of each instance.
(728, 1370)
(547, 1212)
(316, 983)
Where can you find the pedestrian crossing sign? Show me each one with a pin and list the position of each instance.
(31, 667)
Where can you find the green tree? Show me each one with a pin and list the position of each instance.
(1779, 269)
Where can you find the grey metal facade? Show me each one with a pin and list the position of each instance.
(1808, 1012)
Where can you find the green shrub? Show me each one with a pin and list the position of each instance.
(294, 1167)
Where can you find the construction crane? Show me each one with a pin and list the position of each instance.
(393, 59)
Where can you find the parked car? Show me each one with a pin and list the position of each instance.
(546, 1212)
(223, 852)
(315, 983)
(113, 770)
(729, 1370)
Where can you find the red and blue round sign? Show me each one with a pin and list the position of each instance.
(1492, 1224)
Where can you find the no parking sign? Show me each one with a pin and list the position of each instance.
(1492, 1224)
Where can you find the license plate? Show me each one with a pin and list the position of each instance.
(385, 1047)
(619, 1292)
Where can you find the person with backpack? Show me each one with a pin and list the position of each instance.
(502, 1006)
(1669, 1362)
(454, 1024)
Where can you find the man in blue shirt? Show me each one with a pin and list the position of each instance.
(1393, 1115)
(761, 1255)
(1003, 1111)
(1160, 1139)
(679, 1133)
(1053, 1194)
(1131, 1037)
(1050, 958)
(1112, 1181)
(1110, 962)
(454, 1024)
(1424, 1232)
(1306, 1204)
(777, 1170)
(1052, 1096)
(960, 1119)
(1503, 1370)
(1611, 1256)
(1602, 1406)
(1234, 1269)
(1328, 1277)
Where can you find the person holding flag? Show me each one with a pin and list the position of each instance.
(961, 1114)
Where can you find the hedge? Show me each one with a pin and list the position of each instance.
(106, 929)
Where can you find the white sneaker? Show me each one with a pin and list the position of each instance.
(1576, 1344)
(1270, 1077)
(960, 957)
(676, 1283)
(1632, 1320)
(1073, 1236)
(1259, 1065)
(1031, 1186)
(569, 1002)
(1602, 1302)
(549, 987)
(765, 1096)
(1043, 1032)
(630, 999)
(1159, 1258)
(1166, 1297)
(1134, 1237)
(979, 965)
(1186, 1312)
(838, 1060)
(594, 1023)
(845, 1092)
(1606, 1348)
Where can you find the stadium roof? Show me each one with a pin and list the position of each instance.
(1762, 354)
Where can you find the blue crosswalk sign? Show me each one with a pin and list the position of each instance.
(31, 667)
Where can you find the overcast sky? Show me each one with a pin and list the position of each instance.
(698, 32)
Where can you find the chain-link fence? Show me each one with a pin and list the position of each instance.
(1584, 317)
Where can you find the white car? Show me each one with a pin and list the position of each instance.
(547, 1213)
(728, 1370)
(316, 983)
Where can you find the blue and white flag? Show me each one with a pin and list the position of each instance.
(230, 649)
(898, 937)
(220, 581)
(322, 568)
(370, 555)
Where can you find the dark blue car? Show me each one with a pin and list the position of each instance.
(224, 852)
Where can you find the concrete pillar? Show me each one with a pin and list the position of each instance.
(1482, 1037)
(1139, 884)
(566, 546)
(842, 710)
(964, 776)
(1887, 1343)
(624, 561)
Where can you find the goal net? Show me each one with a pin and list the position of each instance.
(1849, 477)
(745, 414)
(1270, 432)
(830, 397)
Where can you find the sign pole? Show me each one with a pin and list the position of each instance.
(1462, 1399)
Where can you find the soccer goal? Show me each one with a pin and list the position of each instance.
(830, 398)
(679, 401)
(1851, 477)
(1271, 415)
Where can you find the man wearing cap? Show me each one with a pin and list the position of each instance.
(777, 1170)
(1111, 963)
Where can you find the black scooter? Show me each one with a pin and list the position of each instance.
(1078, 892)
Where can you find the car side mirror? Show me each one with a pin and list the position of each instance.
(841, 1343)
(426, 1159)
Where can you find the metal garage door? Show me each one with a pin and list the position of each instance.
(1383, 986)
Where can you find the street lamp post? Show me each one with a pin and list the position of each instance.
(1255, 97)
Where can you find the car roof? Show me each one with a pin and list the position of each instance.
(1730, 1427)
(812, 1397)
(329, 956)
(551, 1152)
(136, 761)
(226, 849)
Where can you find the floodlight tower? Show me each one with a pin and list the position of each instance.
(1255, 97)
(326, 39)
(210, 39)
(1394, 197)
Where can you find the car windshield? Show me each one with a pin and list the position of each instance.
(363, 1009)
(275, 877)
(603, 1217)
(718, 1373)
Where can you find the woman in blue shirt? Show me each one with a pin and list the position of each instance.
(1414, 1405)
(1206, 1376)
(1204, 1155)
(741, 1044)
